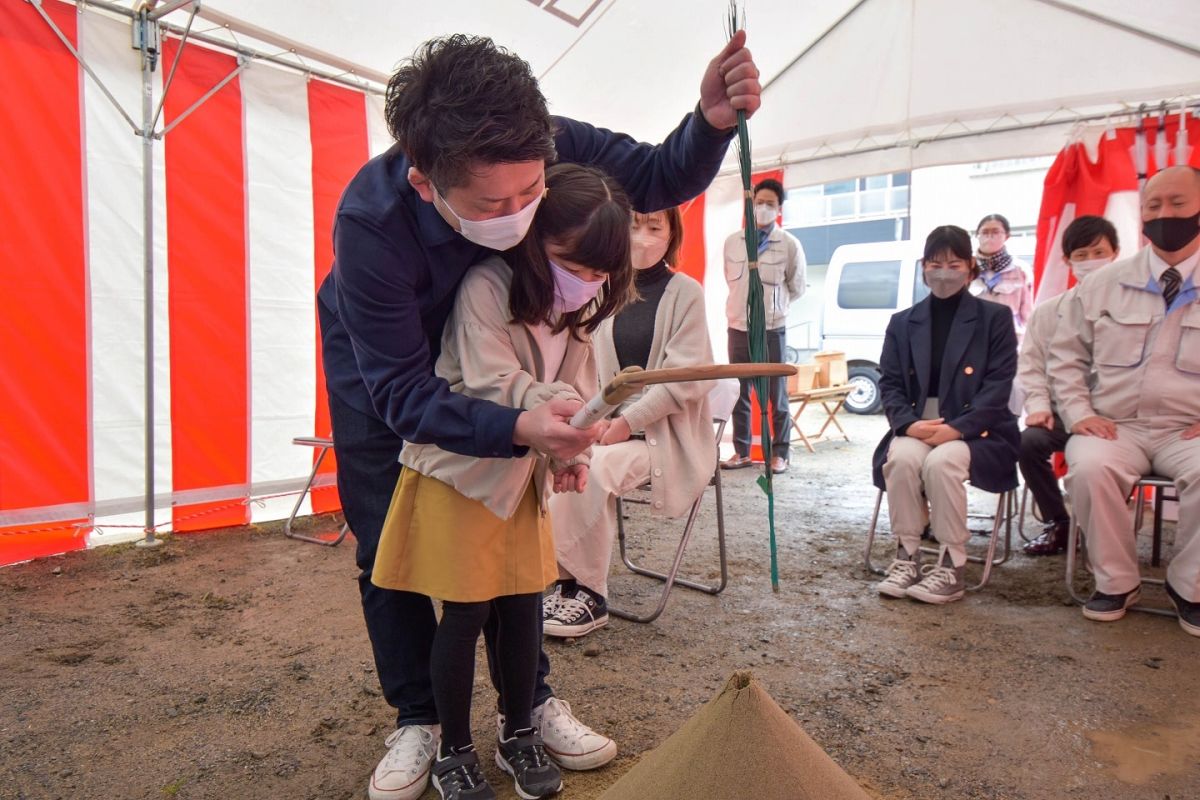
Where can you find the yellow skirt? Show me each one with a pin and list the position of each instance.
(439, 543)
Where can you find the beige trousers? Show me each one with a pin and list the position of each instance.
(1102, 473)
(915, 471)
(585, 524)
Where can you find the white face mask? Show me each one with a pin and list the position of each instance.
(571, 292)
(646, 250)
(498, 233)
(765, 215)
(945, 282)
(1084, 268)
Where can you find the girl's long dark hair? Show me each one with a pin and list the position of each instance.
(586, 213)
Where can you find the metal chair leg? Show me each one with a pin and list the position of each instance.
(1004, 511)
(671, 578)
(871, 536)
(1074, 540)
(287, 525)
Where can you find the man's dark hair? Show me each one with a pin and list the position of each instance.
(1085, 231)
(586, 213)
(951, 240)
(461, 100)
(772, 185)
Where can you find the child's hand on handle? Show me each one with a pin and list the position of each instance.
(547, 429)
(618, 431)
(571, 479)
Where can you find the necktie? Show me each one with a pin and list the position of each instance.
(1170, 282)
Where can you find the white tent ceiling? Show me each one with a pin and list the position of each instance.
(853, 86)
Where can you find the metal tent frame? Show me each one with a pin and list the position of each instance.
(148, 25)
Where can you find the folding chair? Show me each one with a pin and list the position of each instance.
(1006, 509)
(721, 400)
(322, 444)
(1160, 486)
(832, 394)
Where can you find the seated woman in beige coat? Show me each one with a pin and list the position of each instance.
(663, 435)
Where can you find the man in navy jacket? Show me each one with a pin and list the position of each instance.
(463, 180)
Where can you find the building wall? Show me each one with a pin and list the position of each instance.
(963, 194)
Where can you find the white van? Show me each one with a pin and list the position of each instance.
(865, 285)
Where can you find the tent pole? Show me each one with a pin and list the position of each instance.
(361, 78)
(913, 143)
(813, 44)
(146, 35)
(1121, 26)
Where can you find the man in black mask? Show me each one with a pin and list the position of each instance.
(1134, 328)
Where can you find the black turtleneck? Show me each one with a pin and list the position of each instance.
(942, 313)
(633, 328)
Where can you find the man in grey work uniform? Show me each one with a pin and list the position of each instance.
(1125, 372)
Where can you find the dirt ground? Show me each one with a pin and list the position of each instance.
(235, 664)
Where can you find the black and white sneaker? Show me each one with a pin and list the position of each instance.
(1110, 607)
(1188, 611)
(552, 602)
(524, 758)
(457, 776)
(576, 615)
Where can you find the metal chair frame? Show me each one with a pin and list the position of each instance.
(671, 578)
(1006, 509)
(1160, 485)
(323, 445)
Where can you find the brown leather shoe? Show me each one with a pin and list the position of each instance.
(779, 465)
(1051, 541)
(737, 462)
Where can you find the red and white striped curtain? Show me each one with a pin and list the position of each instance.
(1077, 185)
(246, 188)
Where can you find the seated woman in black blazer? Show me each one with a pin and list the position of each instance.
(948, 366)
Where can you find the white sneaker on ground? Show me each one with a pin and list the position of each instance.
(576, 615)
(552, 602)
(569, 742)
(903, 572)
(403, 773)
(939, 584)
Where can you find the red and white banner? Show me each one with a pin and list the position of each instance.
(1107, 186)
(245, 190)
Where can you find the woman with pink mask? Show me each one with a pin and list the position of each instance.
(1002, 279)
(663, 435)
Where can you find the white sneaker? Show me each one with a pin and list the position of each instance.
(552, 602)
(403, 773)
(941, 583)
(569, 742)
(901, 574)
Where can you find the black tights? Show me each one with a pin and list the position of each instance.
(452, 665)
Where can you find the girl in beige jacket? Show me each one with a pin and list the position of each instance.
(474, 532)
(663, 436)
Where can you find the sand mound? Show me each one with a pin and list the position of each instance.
(740, 745)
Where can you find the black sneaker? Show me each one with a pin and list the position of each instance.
(576, 615)
(1189, 612)
(1110, 607)
(457, 776)
(524, 757)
